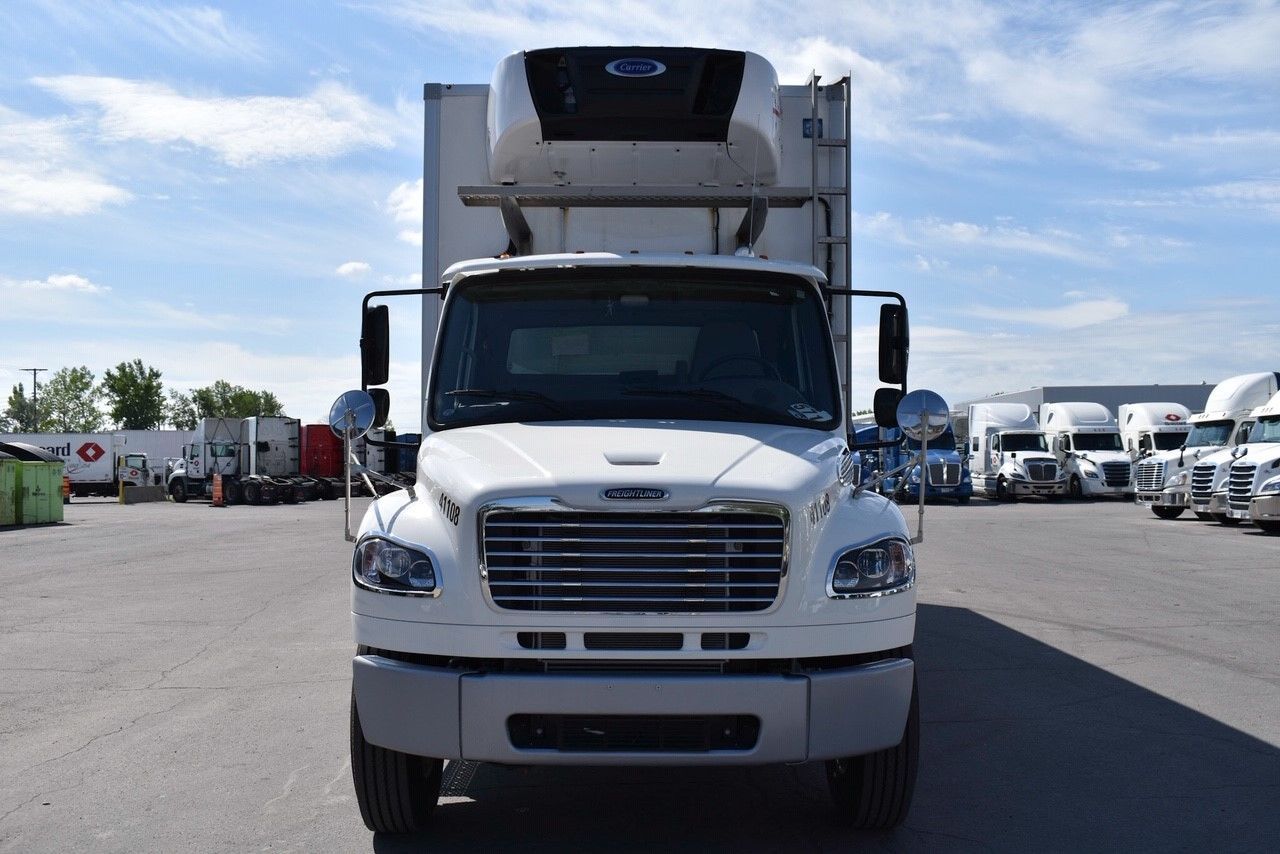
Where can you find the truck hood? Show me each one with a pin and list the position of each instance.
(694, 462)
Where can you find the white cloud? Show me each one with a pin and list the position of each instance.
(42, 174)
(242, 131)
(199, 29)
(1074, 315)
(405, 206)
(1052, 243)
(353, 269)
(61, 282)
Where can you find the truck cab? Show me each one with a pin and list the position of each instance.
(1009, 455)
(1228, 414)
(635, 535)
(1253, 482)
(1089, 449)
(214, 449)
(946, 468)
(133, 470)
(1149, 428)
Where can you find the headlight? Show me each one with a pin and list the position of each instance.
(1093, 473)
(1178, 479)
(887, 566)
(383, 565)
(1017, 475)
(1272, 485)
(915, 477)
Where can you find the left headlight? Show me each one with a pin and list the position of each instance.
(1272, 485)
(380, 564)
(886, 566)
(1178, 479)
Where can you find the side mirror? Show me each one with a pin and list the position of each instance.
(381, 405)
(895, 343)
(885, 406)
(375, 345)
(923, 415)
(351, 414)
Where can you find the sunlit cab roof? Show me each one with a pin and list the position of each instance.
(479, 267)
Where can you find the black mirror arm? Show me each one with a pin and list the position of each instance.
(852, 292)
(364, 305)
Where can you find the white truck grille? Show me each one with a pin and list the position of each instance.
(1150, 476)
(1240, 485)
(632, 562)
(1115, 473)
(1202, 481)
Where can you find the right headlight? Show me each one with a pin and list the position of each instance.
(380, 564)
(885, 566)
(1178, 479)
(1272, 485)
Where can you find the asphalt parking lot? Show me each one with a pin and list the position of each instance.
(176, 678)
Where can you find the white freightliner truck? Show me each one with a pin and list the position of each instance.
(1009, 454)
(1084, 438)
(1230, 409)
(1148, 428)
(1253, 484)
(1162, 481)
(635, 535)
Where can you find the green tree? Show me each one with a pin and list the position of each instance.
(181, 411)
(135, 396)
(69, 402)
(224, 400)
(20, 414)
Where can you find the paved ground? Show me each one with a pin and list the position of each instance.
(176, 678)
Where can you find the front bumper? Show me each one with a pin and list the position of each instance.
(451, 714)
(1217, 503)
(1031, 487)
(1167, 498)
(963, 490)
(1265, 508)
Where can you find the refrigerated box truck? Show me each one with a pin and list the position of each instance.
(634, 538)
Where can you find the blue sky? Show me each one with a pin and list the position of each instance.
(1065, 193)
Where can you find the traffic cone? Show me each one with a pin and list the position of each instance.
(66, 489)
(217, 491)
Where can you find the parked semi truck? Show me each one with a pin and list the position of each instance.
(1084, 438)
(94, 463)
(258, 460)
(1162, 480)
(1229, 410)
(947, 470)
(1253, 484)
(1009, 455)
(634, 536)
(1149, 428)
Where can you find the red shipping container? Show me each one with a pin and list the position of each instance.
(321, 451)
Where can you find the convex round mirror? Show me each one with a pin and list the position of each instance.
(352, 414)
(923, 415)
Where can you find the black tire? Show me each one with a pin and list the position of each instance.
(873, 792)
(324, 490)
(1002, 490)
(252, 493)
(1225, 521)
(1204, 517)
(289, 494)
(963, 499)
(1074, 488)
(1167, 512)
(178, 491)
(233, 493)
(1268, 527)
(397, 792)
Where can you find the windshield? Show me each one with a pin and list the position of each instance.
(945, 442)
(1169, 441)
(1266, 430)
(1209, 434)
(1096, 442)
(136, 461)
(1023, 442)
(666, 344)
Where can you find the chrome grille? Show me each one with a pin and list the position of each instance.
(630, 562)
(1150, 476)
(1042, 471)
(944, 474)
(1115, 473)
(1240, 485)
(1202, 481)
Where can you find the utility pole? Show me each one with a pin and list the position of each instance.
(35, 399)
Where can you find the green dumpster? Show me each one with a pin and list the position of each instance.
(38, 484)
(8, 489)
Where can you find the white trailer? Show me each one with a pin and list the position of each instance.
(94, 463)
(1163, 480)
(634, 536)
(1225, 424)
(1009, 454)
(1087, 443)
(1148, 428)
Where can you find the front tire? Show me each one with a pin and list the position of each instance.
(397, 792)
(253, 492)
(178, 492)
(1167, 512)
(963, 499)
(1075, 489)
(1204, 517)
(1002, 490)
(873, 792)
(1225, 521)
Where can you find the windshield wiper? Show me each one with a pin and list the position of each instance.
(507, 394)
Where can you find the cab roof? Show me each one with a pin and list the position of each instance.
(573, 260)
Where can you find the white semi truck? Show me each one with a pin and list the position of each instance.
(1230, 412)
(635, 536)
(1149, 428)
(1009, 454)
(1253, 485)
(1087, 444)
(1162, 481)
